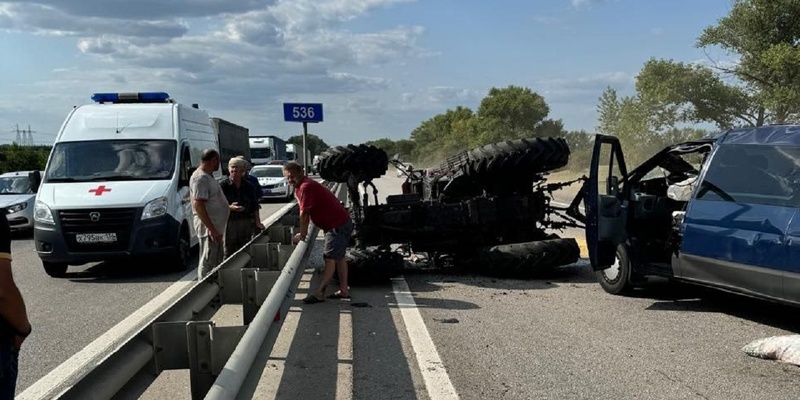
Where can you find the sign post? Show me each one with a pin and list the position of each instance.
(305, 113)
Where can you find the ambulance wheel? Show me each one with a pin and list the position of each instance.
(56, 270)
(182, 254)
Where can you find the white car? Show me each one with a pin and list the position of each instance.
(17, 196)
(272, 182)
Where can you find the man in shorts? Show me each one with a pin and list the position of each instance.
(320, 206)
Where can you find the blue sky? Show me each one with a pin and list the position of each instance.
(380, 67)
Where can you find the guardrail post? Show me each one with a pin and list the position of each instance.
(280, 233)
(170, 347)
(259, 255)
(198, 337)
(284, 252)
(249, 303)
(256, 286)
(270, 256)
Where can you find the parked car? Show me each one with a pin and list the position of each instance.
(723, 212)
(272, 182)
(18, 195)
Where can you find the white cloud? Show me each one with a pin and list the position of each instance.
(657, 31)
(584, 88)
(257, 54)
(584, 3)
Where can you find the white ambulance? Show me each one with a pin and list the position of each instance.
(116, 184)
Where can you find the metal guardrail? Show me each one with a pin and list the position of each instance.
(182, 336)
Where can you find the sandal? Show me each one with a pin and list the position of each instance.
(312, 300)
(338, 295)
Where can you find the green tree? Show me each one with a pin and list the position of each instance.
(580, 146)
(23, 158)
(549, 128)
(694, 93)
(404, 147)
(434, 139)
(388, 145)
(315, 144)
(763, 86)
(506, 113)
(516, 112)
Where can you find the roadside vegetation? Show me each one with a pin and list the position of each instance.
(23, 158)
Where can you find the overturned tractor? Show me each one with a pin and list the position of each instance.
(488, 209)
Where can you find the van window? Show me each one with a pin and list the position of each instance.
(186, 163)
(111, 160)
(753, 174)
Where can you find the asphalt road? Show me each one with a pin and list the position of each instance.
(558, 337)
(67, 314)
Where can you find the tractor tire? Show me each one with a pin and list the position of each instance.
(372, 266)
(338, 164)
(537, 155)
(526, 260)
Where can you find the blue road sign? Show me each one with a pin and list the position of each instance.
(302, 112)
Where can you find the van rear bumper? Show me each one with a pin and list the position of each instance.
(146, 238)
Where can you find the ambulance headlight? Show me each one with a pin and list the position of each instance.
(155, 208)
(42, 213)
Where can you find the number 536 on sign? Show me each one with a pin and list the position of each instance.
(302, 112)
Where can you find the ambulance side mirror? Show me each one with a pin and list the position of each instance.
(36, 180)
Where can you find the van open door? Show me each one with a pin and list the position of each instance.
(606, 207)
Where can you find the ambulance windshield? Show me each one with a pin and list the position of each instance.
(111, 160)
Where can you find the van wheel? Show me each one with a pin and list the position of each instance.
(616, 279)
(183, 252)
(56, 270)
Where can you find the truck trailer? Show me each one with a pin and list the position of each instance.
(233, 141)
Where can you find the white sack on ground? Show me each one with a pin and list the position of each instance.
(781, 348)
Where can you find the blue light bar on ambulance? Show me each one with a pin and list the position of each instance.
(143, 97)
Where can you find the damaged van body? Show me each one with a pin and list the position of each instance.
(722, 212)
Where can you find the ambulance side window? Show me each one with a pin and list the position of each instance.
(186, 163)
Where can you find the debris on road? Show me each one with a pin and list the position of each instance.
(781, 348)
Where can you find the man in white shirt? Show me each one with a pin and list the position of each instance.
(211, 210)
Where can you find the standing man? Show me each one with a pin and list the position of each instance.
(241, 196)
(320, 206)
(257, 227)
(210, 212)
(14, 325)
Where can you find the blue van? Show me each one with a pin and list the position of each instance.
(723, 212)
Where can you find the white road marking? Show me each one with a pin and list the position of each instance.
(344, 365)
(437, 381)
(85, 360)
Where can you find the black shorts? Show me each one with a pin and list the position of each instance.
(337, 240)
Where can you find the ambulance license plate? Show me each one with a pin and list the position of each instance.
(96, 237)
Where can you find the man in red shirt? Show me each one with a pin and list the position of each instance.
(320, 206)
